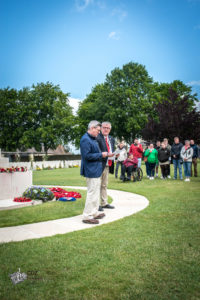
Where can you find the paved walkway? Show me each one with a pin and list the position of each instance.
(125, 204)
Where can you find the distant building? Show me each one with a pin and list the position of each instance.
(33, 154)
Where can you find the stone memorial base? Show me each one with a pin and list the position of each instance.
(14, 184)
(4, 162)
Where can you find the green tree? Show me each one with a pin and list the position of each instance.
(123, 99)
(11, 129)
(51, 117)
(37, 117)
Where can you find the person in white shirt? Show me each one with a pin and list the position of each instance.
(121, 155)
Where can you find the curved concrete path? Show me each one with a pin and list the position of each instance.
(125, 204)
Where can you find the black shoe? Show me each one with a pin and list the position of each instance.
(101, 208)
(108, 206)
(126, 179)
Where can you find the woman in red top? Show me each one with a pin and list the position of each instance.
(137, 150)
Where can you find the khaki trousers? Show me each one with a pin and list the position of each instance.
(104, 184)
(92, 199)
(194, 163)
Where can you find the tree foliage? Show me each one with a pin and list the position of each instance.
(11, 119)
(41, 116)
(173, 113)
(123, 99)
(36, 117)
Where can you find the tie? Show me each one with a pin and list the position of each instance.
(107, 144)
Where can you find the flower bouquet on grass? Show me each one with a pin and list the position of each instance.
(39, 193)
(22, 199)
(63, 195)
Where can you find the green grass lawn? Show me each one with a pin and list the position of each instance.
(43, 212)
(153, 254)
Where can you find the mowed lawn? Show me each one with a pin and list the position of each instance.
(153, 254)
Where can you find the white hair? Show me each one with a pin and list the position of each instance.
(93, 123)
(106, 122)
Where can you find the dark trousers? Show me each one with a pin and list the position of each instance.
(147, 168)
(165, 170)
(194, 163)
(168, 170)
(152, 169)
(129, 170)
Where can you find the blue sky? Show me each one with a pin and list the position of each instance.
(76, 43)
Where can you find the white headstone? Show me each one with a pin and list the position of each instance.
(4, 161)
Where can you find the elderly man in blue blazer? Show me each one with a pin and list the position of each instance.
(106, 143)
(91, 168)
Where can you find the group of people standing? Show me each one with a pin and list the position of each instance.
(97, 161)
(162, 155)
(177, 154)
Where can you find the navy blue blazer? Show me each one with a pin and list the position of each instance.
(91, 157)
(195, 151)
(102, 145)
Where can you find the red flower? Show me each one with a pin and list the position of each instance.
(22, 199)
(11, 170)
(59, 193)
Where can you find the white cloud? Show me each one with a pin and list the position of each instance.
(120, 13)
(194, 82)
(113, 35)
(198, 106)
(82, 4)
(74, 103)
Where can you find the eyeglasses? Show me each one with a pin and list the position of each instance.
(106, 127)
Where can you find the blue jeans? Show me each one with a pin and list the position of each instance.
(152, 169)
(187, 168)
(177, 164)
(147, 168)
(139, 162)
(117, 168)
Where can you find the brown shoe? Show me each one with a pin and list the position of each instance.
(91, 221)
(100, 216)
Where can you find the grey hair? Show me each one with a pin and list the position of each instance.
(106, 122)
(187, 141)
(93, 123)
